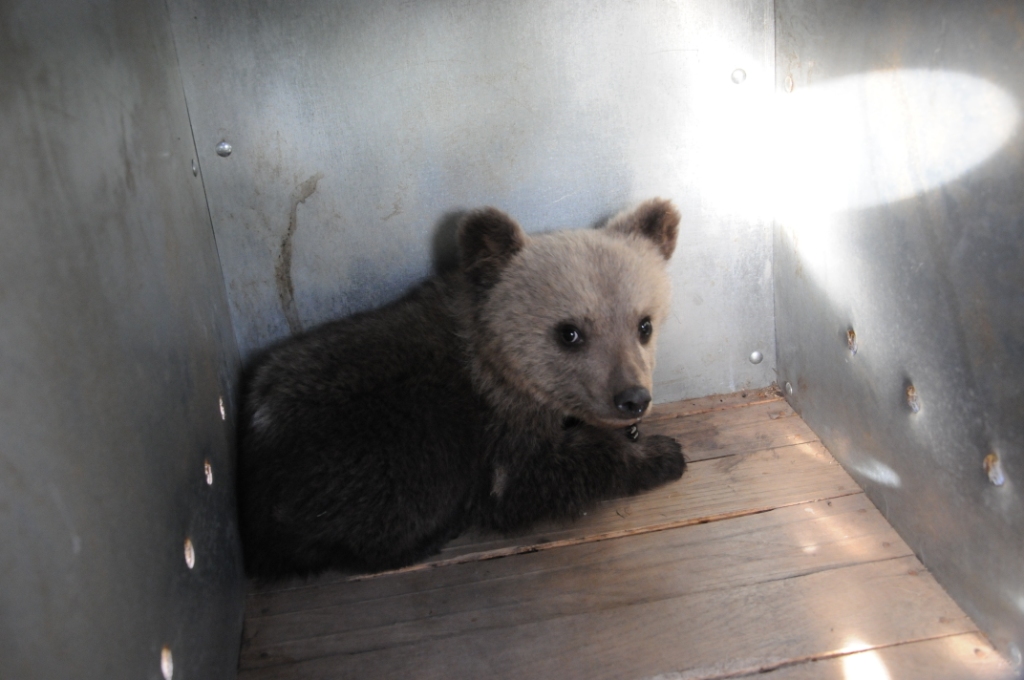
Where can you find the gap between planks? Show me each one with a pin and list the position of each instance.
(715, 402)
(924, 657)
(579, 540)
(743, 483)
(947, 657)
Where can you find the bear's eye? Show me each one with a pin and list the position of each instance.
(646, 329)
(569, 335)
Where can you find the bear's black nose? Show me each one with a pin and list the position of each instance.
(633, 401)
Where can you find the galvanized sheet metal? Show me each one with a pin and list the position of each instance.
(115, 356)
(360, 130)
(903, 222)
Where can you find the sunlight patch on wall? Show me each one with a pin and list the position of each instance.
(884, 136)
(872, 139)
(853, 142)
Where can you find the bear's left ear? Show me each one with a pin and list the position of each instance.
(488, 239)
(656, 219)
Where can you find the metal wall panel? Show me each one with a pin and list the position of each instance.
(359, 130)
(901, 218)
(115, 353)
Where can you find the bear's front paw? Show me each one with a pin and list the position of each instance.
(661, 461)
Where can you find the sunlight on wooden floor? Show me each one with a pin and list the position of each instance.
(765, 559)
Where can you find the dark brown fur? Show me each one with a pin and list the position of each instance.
(369, 442)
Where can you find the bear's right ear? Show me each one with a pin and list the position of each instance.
(488, 239)
(655, 219)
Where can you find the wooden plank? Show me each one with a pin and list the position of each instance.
(716, 434)
(958, 657)
(715, 402)
(710, 490)
(878, 604)
(847, 518)
(414, 607)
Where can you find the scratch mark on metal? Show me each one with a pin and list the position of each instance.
(76, 540)
(283, 270)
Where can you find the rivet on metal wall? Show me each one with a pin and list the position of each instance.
(913, 400)
(195, 168)
(756, 357)
(208, 471)
(788, 83)
(994, 469)
(190, 553)
(851, 341)
(224, 149)
(166, 663)
(223, 413)
(738, 76)
(789, 388)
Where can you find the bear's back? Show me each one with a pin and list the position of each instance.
(361, 435)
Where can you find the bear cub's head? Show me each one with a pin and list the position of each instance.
(570, 318)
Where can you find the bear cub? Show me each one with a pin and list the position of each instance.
(504, 392)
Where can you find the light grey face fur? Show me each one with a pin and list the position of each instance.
(605, 283)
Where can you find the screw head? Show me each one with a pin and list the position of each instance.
(788, 84)
(913, 400)
(195, 168)
(994, 469)
(789, 388)
(224, 149)
(738, 76)
(190, 553)
(756, 357)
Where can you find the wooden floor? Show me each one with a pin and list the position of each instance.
(766, 559)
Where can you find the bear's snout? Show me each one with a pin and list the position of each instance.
(633, 401)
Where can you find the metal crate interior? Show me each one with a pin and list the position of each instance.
(186, 182)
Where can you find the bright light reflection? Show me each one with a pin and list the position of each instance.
(835, 534)
(863, 665)
(877, 472)
(885, 136)
(850, 143)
